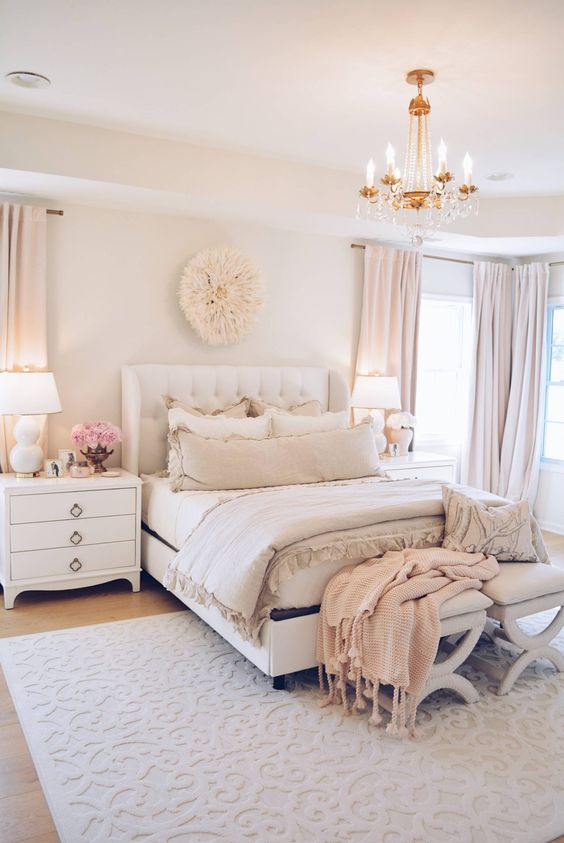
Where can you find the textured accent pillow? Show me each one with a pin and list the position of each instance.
(284, 424)
(220, 426)
(500, 531)
(259, 408)
(234, 411)
(212, 464)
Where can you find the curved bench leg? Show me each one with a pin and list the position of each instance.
(524, 660)
(491, 630)
(532, 647)
(520, 638)
(451, 682)
(458, 654)
(442, 676)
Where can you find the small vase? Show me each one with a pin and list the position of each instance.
(96, 458)
(403, 437)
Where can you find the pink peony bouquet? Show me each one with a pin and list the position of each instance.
(94, 434)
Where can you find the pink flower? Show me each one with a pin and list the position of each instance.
(92, 434)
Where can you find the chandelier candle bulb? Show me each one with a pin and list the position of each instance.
(390, 159)
(370, 170)
(467, 164)
(442, 157)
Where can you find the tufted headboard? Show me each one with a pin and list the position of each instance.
(144, 417)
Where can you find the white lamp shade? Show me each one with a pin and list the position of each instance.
(376, 392)
(28, 394)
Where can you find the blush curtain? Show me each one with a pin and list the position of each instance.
(389, 328)
(490, 378)
(23, 299)
(520, 452)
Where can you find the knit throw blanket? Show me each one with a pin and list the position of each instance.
(380, 624)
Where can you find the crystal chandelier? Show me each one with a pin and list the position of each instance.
(418, 201)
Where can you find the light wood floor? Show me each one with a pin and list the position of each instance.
(24, 815)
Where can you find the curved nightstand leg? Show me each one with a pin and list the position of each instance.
(10, 595)
(135, 580)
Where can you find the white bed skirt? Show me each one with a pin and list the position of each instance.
(285, 646)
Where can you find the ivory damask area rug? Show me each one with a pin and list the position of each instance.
(156, 730)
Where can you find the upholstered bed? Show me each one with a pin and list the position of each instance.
(315, 529)
(285, 645)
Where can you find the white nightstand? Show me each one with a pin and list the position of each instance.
(418, 465)
(66, 533)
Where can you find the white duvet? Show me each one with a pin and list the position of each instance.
(174, 515)
(246, 545)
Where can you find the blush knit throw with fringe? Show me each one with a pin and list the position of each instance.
(379, 624)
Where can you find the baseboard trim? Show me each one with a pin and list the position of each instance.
(551, 527)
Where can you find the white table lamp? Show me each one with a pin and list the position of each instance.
(376, 392)
(27, 394)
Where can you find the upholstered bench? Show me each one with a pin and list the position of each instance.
(462, 621)
(521, 589)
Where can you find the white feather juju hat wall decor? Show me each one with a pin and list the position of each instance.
(219, 294)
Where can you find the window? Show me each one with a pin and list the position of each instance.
(553, 442)
(445, 330)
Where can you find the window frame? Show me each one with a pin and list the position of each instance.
(553, 304)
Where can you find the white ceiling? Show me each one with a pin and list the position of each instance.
(310, 80)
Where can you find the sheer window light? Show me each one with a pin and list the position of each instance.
(443, 373)
(553, 442)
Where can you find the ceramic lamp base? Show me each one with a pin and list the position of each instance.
(26, 457)
(403, 438)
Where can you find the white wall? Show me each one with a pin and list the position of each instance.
(113, 278)
(446, 278)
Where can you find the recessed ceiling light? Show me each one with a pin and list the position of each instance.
(27, 79)
(500, 176)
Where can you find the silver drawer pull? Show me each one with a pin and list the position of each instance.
(76, 538)
(75, 565)
(76, 510)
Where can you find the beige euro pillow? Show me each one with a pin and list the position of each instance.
(308, 408)
(234, 411)
(212, 464)
(501, 531)
(220, 426)
(284, 424)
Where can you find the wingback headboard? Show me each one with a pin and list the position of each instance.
(143, 414)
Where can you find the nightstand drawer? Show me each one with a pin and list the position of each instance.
(72, 561)
(59, 506)
(48, 534)
(440, 472)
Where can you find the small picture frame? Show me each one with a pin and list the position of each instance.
(68, 458)
(54, 468)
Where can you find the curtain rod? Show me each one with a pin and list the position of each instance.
(55, 213)
(450, 260)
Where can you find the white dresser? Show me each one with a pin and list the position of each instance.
(418, 465)
(66, 533)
